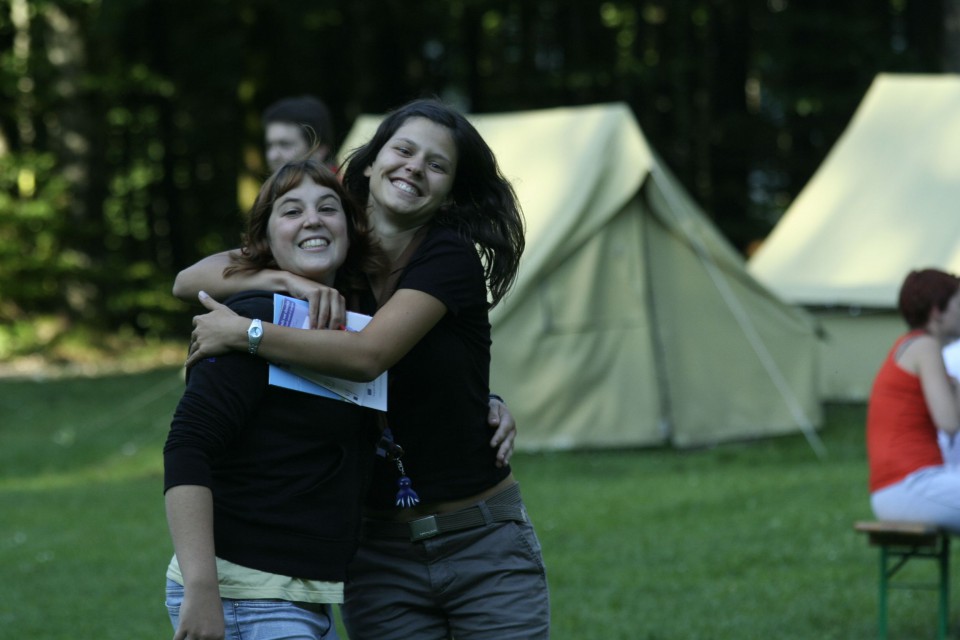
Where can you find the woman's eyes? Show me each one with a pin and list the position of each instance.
(328, 209)
(324, 210)
(407, 151)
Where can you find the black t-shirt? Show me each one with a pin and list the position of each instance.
(438, 392)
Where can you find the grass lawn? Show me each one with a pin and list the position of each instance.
(748, 540)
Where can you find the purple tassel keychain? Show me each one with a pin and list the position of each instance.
(406, 495)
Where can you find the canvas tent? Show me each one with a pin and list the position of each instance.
(884, 201)
(632, 322)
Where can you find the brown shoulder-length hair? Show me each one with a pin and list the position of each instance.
(924, 290)
(364, 255)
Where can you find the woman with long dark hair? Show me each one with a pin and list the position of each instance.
(459, 556)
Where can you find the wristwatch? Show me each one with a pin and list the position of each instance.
(254, 335)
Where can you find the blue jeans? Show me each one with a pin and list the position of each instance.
(265, 619)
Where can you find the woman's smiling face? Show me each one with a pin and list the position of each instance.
(413, 173)
(307, 231)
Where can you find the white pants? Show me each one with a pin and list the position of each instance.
(930, 495)
(950, 448)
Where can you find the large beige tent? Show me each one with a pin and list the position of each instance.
(886, 200)
(632, 322)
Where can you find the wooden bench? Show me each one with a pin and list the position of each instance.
(899, 542)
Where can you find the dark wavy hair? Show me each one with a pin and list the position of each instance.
(482, 207)
(924, 290)
(364, 254)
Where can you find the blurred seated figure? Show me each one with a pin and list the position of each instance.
(913, 397)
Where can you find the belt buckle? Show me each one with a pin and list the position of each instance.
(423, 528)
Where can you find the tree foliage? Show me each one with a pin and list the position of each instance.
(130, 137)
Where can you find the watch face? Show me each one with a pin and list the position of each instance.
(255, 332)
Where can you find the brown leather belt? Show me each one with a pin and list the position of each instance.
(505, 506)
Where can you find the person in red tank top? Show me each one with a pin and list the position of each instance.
(913, 397)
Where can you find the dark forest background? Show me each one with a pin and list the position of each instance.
(130, 136)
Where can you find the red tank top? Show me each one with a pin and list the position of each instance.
(901, 436)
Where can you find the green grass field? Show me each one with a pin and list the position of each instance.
(747, 540)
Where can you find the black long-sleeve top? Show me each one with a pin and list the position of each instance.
(287, 469)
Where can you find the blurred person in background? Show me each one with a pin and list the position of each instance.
(912, 400)
(294, 127)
